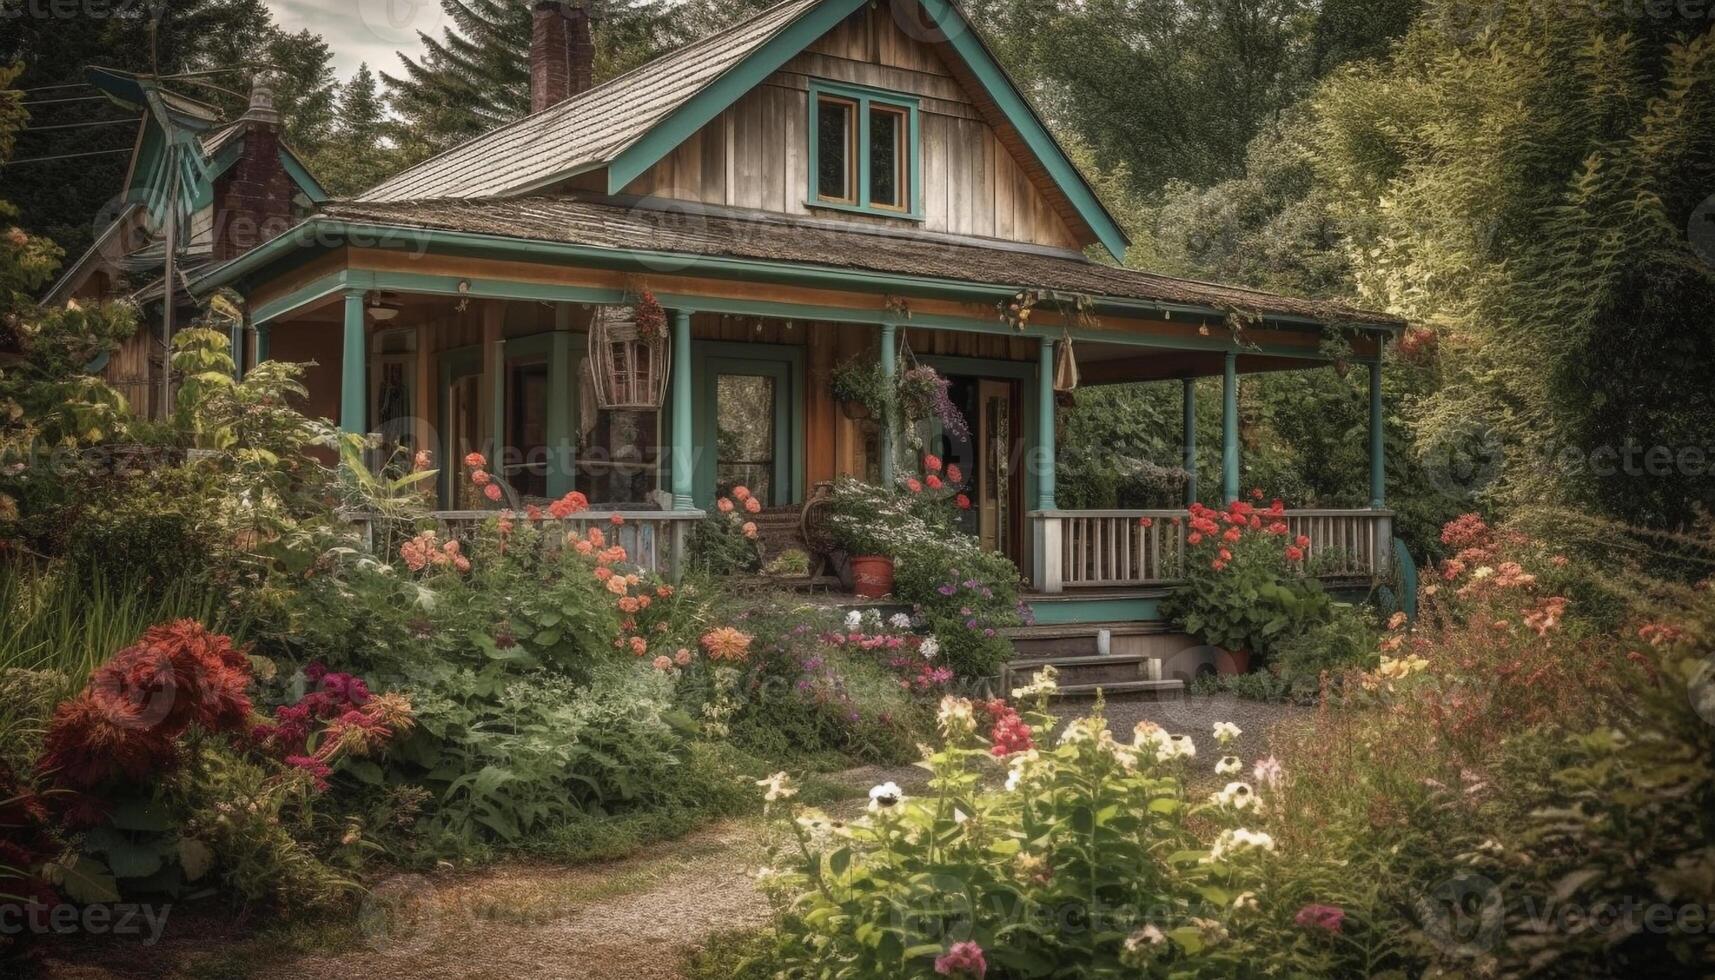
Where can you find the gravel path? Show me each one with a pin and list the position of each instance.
(634, 919)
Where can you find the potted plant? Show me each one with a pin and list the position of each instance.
(863, 521)
(862, 389)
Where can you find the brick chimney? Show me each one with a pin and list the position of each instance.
(253, 200)
(562, 54)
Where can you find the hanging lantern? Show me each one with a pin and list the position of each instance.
(629, 356)
(1066, 367)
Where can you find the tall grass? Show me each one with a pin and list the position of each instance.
(65, 627)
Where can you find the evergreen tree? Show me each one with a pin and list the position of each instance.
(357, 155)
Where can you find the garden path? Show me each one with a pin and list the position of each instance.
(633, 919)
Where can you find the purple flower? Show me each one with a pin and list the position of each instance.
(962, 960)
(947, 590)
(1318, 916)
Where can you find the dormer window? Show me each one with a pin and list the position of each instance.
(863, 151)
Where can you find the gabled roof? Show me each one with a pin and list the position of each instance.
(625, 230)
(629, 123)
(589, 129)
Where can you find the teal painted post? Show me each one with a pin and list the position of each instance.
(236, 339)
(1378, 463)
(561, 452)
(1190, 399)
(261, 342)
(354, 370)
(889, 356)
(1230, 429)
(683, 455)
(1045, 427)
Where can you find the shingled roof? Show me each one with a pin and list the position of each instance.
(589, 129)
(576, 220)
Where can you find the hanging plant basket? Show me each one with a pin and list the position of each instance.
(629, 356)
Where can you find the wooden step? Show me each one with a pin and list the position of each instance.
(1081, 672)
(1157, 690)
(1075, 639)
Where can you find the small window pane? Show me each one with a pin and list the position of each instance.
(833, 143)
(744, 434)
(885, 143)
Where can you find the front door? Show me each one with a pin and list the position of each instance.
(988, 460)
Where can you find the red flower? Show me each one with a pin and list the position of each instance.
(492, 492)
(962, 502)
(1194, 538)
(1145, 522)
(616, 520)
(913, 485)
(1233, 534)
(475, 460)
(954, 475)
(480, 477)
(1302, 541)
(1294, 554)
(571, 503)
(931, 463)
(932, 481)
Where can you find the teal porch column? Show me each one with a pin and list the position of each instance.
(354, 368)
(1378, 462)
(236, 339)
(562, 459)
(683, 455)
(261, 342)
(1230, 429)
(889, 357)
(1190, 406)
(1045, 426)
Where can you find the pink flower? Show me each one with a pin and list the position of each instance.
(1194, 538)
(741, 493)
(724, 505)
(474, 460)
(931, 463)
(963, 960)
(492, 491)
(663, 663)
(480, 477)
(572, 503)
(1317, 916)
(1145, 522)
(749, 529)
(616, 520)
(954, 475)
(752, 505)
(421, 461)
(914, 485)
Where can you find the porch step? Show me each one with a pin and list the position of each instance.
(1170, 690)
(1076, 639)
(1116, 673)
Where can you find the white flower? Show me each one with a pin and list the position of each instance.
(900, 621)
(1043, 682)
(1181, 747)
(954, 716)
(872, 617)
(1020, 767)
(1246, 902)
(854, 619)
(929, 648)
(1226, 732)
(1229, 765)
(1238, 841)
(1147, 734)
(778, 786)
(1236, 796)
(886, 795)
(1149, 935)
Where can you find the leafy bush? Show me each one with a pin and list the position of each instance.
(1346, 641)
(1242, 588)
(1093, 853)
(725, 542)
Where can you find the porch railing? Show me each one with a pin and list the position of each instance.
(1078, 549)
(653, 539)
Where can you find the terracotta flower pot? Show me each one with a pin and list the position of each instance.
(872, 576)
(1234, 662)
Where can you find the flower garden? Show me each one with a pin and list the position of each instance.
(220, 690)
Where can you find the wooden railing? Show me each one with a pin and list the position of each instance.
(653, 539)
(1118, 548)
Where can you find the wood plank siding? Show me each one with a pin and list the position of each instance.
(755, 154)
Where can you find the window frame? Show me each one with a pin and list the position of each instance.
(858, 168)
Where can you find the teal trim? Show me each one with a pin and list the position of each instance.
(1190, 439)
(1405, 570)
(301, 176)
(497, 410)
(562, 447)
(235, 338)
(319, 231)
(261, 342)
(782, 363)
(864, 97)
(1045, 426)
(963, 38)
(724, 91)
(889, 368)
(682, 461)
(1378, 452)
(1068, 609)
(353, 369)
(1230, 429)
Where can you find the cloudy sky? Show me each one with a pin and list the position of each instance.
(363, 30)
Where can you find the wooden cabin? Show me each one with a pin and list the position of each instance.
(830, 180)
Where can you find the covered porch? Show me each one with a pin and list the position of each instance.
(461, 342)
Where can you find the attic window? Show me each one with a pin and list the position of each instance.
(863, 151)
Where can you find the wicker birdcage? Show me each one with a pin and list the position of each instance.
(630, 364)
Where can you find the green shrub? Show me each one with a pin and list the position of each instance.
(1348, 640)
